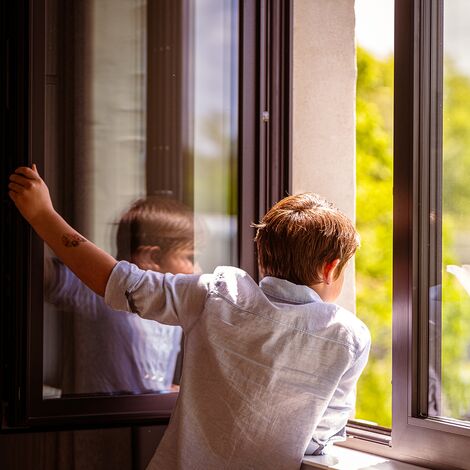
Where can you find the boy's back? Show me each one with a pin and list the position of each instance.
(265, 367)
(264, 371)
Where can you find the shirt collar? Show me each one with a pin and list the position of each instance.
(288, 291)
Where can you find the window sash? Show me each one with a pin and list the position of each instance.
(264, 162)
(417, 249)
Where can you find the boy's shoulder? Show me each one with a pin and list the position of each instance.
(238, 288)
(353, 327)
(226, 279)
(230, 273)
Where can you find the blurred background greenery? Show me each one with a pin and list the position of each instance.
(374, 205)
(374, 218)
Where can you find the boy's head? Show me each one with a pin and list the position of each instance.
(306, 240)
(157, 233)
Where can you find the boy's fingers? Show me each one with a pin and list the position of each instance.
(27, 172)
(15, 187)
(20, 179)
(12, 195)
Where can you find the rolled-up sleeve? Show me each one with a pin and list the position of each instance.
(170, 299)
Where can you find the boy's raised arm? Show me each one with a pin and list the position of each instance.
(31, 196)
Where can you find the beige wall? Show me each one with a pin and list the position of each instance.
(324, 76)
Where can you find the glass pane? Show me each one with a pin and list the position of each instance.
(374, 208)
(215, 128)
(141, 149)
(452, 394)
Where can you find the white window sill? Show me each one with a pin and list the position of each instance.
(341, 458)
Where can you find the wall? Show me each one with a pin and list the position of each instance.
(324, 91)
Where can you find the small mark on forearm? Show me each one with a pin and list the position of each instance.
(71, 240)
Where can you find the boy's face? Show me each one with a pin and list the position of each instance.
(335, 287)
(179, 261)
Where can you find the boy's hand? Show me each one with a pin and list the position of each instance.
(29, 193)
(31, 196)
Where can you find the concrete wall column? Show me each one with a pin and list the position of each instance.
(324, 94)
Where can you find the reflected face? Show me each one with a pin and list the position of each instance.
(179, 261)
(176, 261)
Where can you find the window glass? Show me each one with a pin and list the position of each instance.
(140, 156)
(374, 180)
(450, 378)
(215, 143)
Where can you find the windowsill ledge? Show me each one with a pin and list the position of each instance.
(340, 458)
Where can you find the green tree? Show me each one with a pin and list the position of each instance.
(374, 209)
(374, 221)
(456, 227)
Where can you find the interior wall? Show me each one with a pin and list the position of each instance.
(324, 95)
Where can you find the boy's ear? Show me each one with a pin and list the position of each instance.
(147, 257)
(329, 271)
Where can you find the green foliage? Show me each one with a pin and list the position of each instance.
(374, 174)
(456, 224)
(374, 222)
(455, 349)
(216, 167)
(456, 142)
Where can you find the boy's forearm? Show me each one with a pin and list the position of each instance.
(89, 263)
(31, 196)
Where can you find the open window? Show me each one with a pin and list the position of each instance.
(181, 102)
(430, 248)
(431, 333)
(428, 81)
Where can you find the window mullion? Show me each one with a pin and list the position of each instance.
(426, 390)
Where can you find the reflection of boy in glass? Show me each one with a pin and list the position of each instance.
(114, 352)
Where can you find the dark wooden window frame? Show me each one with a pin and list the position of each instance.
(264, 155)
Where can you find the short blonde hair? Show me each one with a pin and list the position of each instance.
(300, 234)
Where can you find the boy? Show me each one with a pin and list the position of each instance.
(280, 362)
(112, 351)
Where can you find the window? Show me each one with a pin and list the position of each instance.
(429, 423)
(185, 102)
(422, 199)
(430, 331)
(374, 203)
(430, 327)
(451, 359)
(126, 141)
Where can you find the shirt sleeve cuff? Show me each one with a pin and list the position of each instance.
(121, 282)
(314, 448)
(318, 448)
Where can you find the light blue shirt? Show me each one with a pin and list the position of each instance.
(113, 352)
(269, 371)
